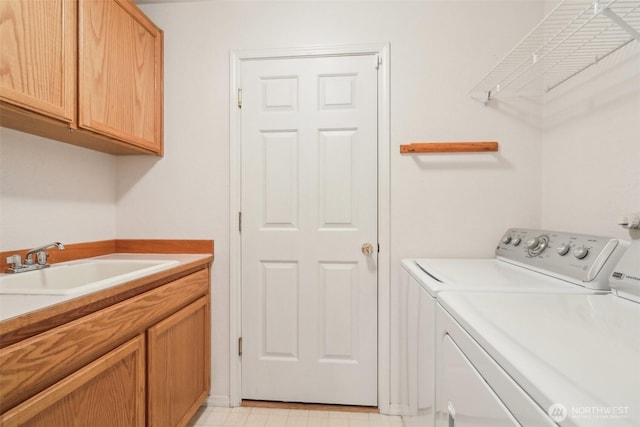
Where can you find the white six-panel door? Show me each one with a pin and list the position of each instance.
(309, 203)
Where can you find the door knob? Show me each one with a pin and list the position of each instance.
(367, 248)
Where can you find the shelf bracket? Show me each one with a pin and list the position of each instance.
(621, 23)
(488, 98)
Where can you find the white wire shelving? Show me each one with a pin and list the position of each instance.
(575, 35)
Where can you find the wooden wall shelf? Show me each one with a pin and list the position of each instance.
(448, 147)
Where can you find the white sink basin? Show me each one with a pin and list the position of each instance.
(79, 276)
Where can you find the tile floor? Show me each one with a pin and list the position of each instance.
(266, 417)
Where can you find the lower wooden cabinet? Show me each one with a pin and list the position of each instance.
(143, 361)
(108, 392)
(178, 365)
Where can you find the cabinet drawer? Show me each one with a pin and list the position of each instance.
(34, 364)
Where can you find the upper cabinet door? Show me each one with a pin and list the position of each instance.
(120, 73)
(38, 56)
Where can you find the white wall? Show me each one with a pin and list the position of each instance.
(52, 191)
(442, 205)
(591, 148)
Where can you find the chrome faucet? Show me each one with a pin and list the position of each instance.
(15, 261)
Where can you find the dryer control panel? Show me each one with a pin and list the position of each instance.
(625, 279)
(579, 258)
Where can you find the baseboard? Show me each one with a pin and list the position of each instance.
(395, 410)
(266, 404)
(222, 401)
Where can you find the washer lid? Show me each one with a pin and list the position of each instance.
(487, 275)
(578, 351)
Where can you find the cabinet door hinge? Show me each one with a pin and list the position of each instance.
(239, 98)
(240, 222)
(240, 346)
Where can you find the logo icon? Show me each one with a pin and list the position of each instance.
(557, 412)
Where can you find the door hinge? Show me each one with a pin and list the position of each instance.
(240, 346)
(240, 222)
(378, 247)
(239, 98)
(378, 62)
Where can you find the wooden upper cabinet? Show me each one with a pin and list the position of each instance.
(38, 56)
(120, 73)
(86, 72)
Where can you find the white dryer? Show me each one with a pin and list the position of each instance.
(527, 261)
(542, 359)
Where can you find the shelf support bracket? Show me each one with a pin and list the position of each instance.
(621, 23)
(488, 99)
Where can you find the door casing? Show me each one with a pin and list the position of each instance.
(384, 260)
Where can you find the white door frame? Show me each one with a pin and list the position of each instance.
(384, 257)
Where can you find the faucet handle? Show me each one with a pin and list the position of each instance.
(14, 261)
(42, 257)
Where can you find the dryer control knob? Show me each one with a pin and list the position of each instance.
(516, 241)
(537, 245)
(563, 249)
(532, 243)
(581, 252)
(506, 240)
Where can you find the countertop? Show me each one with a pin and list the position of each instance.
(37, 312)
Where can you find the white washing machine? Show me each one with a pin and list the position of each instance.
(542, 359)
(573, 263)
